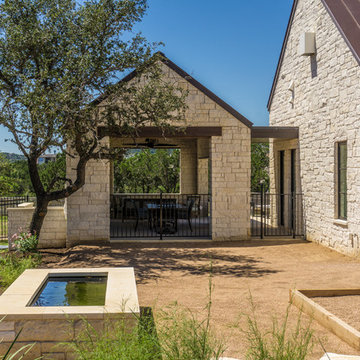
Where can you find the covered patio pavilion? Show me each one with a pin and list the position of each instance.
(215, 161)
(186, 214)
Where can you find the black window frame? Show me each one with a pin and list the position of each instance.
(341, 177)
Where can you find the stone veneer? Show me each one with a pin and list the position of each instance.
(326, 109)
(89, 209)
(53, 232)
(50, 328)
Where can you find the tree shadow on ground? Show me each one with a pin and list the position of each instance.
(157, 261)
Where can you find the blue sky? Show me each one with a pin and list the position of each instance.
(230, 46)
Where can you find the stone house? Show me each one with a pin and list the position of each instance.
(316, 89)
(215, 152)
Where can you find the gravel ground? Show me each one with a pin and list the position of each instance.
(347, 308)
(267, 269)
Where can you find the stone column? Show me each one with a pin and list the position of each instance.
(88, 209)
(203, 165)
(188, 168)
(230, 182)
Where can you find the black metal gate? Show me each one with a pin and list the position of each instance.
(276, 214)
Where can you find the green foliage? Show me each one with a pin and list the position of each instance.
(9, 177)
(13, 264)
(184, 337)
(15, 178)
(117, 342)
(259, 166)
(25, 242)
(13, 156)
(179, 336)
(148, 171)
(60, 60)
(52, 173)
(22, 177)
(18, 354)
(279, 343)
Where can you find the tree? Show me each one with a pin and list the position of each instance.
(9, 183)
(259, 166)
(148, 171)
(59, 62)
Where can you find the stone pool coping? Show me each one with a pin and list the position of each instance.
(121, 298)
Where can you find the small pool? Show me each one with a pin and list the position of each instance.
(72, 291)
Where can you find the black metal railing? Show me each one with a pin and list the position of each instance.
(5, 203)
(276, 214)
(159, 216)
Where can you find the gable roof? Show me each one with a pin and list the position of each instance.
(346, 16)
(193, 82)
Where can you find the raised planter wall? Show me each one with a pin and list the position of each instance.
(53, 232)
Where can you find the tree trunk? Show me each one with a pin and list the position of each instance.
(43, 198)
(39, 215)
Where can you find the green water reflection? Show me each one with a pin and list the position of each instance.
(72, 291)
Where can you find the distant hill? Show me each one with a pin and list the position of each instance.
(13, 157)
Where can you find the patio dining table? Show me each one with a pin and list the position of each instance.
(167, 212)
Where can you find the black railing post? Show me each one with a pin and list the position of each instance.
(293, 214)
(161, 217)
(261, 211)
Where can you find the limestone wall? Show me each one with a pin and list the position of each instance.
(89, 209)
(188, 168)
(53, 232)
(230, 163)
(326, 108)
(50, 334)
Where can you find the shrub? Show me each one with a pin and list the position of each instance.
(179, 335)
(13, 264)
(116, 342)
(184, 337)
(279, 343)
(25, 241)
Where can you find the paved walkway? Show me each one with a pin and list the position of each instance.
(265, 268)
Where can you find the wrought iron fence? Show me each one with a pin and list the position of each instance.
(5, 203)
(276, 214)
(160, 215)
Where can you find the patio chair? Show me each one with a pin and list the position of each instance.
(187, 212)
(196, 209)
(140, 213)
(133, 210)
(116, 206)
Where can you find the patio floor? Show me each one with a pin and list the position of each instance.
(167, 272)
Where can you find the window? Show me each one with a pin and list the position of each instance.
(342, 184)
